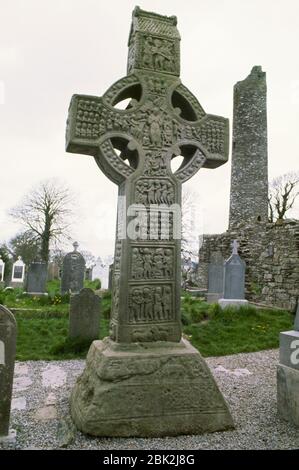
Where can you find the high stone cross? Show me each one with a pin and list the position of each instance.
(145, 380)
(134, 148)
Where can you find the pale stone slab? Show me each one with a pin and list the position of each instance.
(288, 394)
(232, 303)
(53, 377)
(19, 403)
(21, 369)
(46, 413)
(22, 383)
(10, 439)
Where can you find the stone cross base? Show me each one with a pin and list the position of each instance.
(288, 377)
(212, 298)
(232, 303)
(147, 390)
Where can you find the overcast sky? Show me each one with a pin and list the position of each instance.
(52, 49)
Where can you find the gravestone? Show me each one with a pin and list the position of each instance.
(73, 270)
(110, 276)
(2, 268)
(144, 379)
(18, 273)
(84, 320)
(288, 374)
(234, 280)
(215, 277)
(8, 332)
(37, 278)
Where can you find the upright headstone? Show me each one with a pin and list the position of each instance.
(234, 280)
(37, 278)
(18, 273)
(2, 268)
(8, 333)
(73, 270)
(249, 171)
(144, 380)
(288, 374)
(110, 276)
(84, 320)
(215, 277)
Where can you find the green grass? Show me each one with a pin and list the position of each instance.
(233, 331)
(45, 337)
(43, 333)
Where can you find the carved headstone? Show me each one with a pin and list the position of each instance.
(234, 280)
(8, 332)
(215, 277)
(37, 278)
(84, 321)
(288, 374)
(142, 387)
(73, 270)
(18, 273)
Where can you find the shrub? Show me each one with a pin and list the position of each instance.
(95, 284)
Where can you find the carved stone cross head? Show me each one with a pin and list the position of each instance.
(134, 147)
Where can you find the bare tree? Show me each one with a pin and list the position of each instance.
(282, 195)
(46, 213)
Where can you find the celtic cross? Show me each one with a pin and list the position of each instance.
(134, 148)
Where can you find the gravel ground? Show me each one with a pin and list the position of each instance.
(248, 381)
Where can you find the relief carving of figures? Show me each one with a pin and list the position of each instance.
(150, 191)
(150, 304)
(155, 123)
(154, 164)
(152, 263)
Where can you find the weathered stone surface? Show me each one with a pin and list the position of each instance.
(234, 276)
(166, 122)
(215, 277)
(37, 278)
(110, 276)
(8, 332)
(163, 120)
(84, 320)
(288, 394)
(268, 250)
(147, 390)
(249, 173)
(296, 323)
(289, 349)
(73, 271)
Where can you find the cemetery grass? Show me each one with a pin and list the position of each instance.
(217, 332)
(43, 334)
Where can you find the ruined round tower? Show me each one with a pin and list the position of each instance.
(249, 173)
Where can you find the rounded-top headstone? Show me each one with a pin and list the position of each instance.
(73, 271)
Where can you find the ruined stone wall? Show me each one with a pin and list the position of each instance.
(271, 253)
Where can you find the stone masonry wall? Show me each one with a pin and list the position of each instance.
(249, 171)
(271, 253)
